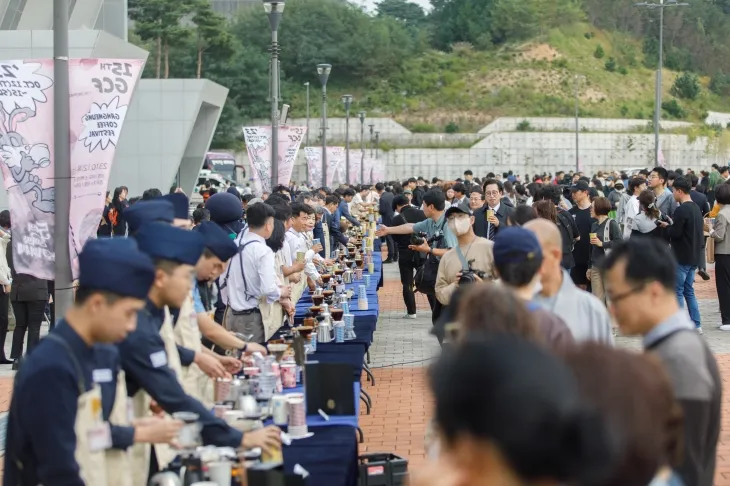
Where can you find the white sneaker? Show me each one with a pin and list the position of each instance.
(725, 327)
(410, 316)
(700, 331)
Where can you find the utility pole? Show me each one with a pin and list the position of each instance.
(307, 85)
(362, 146)
(577, 124)
(661, 5)
(274, 10)
(324, 70)
(347, 100)
(63, 293)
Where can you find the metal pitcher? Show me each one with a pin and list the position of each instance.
(324, 332)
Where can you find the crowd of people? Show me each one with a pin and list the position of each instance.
(528, 280)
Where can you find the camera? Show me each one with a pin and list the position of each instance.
(470, 276)
(418, 238)
(663, 218)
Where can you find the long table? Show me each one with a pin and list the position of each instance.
(330, 455)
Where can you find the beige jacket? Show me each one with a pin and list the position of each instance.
(721, 231)
(480, 251)
(5, 274)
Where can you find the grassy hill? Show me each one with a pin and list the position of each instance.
(465, 89)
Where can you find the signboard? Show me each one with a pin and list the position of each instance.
(100, 91)
(258, 147)
(335, 165)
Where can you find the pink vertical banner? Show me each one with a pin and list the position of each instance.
(355, 167)
(26, 150)
(335, 165)
(101, 90)
(368, 162)
(378, 172)
(258, 148)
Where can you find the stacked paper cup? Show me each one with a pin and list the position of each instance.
(345, 307)
(362, 299)
(297, 415)
(367, 278)
(349, 327)
(339, 332)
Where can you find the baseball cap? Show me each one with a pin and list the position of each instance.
(580, 186)
(462, 208)
(515, 244)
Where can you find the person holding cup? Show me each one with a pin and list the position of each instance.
(604, 233)
(719, 232)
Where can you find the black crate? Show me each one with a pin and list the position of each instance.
(382, 469)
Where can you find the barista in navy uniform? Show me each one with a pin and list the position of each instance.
(56, 434)
(144, 353)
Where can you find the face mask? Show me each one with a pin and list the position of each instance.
(460, 226)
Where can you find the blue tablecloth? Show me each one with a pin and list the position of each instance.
(330, 455)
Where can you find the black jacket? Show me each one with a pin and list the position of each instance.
(418, 193)
(386, 208)
(411, 215)
(481, 227)
(700, 200)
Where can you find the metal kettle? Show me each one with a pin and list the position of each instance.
(165, 478)
(324, 332)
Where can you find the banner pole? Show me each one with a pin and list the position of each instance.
(63, 294)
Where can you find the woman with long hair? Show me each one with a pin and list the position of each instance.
(546, 210)
(116, 211)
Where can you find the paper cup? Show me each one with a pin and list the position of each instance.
(279, 410)
(593, 235)
(289, 375)
(251, 371)
(219, 473)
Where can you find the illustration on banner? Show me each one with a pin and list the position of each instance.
(21, 87)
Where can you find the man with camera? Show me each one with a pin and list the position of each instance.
(470, 261)
(432, 237)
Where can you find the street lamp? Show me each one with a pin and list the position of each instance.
(577, 127)
(372, 129)
(377, 142)
(361, 115)
(347, 100)
(661, 5)
(324, 70)
(307, 85)
(274, 10)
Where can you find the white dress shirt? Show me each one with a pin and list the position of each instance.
(259, 267)
(298, 242)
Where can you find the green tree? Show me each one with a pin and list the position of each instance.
(455, 21)
(407, 12)
(599, 52)
(513, 20)
(686, 86)
(210, 34)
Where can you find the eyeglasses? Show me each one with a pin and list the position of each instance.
(492, 193)
(614, 299)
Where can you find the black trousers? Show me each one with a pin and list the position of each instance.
(4, 320)
(52, 305)
(407, 268)
(722, 283)
(436, 309)
(392, 248)
(28, 317)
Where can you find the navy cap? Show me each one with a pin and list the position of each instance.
(164, 242)
(580, 186)
(462, 208)
(144, 212)
(117, 266)
(224, 208)
(515, 244)
(181, 204)
(234, 191)
(217, 240)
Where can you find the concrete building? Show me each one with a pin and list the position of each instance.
(170, 122)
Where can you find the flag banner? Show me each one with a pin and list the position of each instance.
(258, 147)
(335, 165)
(378, 172)
(660, 159)
(355, 167)
(101, 90)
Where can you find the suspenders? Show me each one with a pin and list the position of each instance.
(241, 247)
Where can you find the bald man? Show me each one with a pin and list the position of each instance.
(584, 314)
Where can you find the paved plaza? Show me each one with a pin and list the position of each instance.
(403, 349)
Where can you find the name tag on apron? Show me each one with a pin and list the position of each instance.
(102, 376)
(130, 409)
(158, 359)
(99, 437)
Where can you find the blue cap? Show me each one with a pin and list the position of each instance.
(234, 191)
(217, 240)
(164, 242)
(224, 208)
(515, 244)
(116, 266)
(144, 212)
(180, 203)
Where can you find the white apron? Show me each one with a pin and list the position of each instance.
(272, 315)
(141, 404)
(187, 334)
(92, 465)
(118, 462)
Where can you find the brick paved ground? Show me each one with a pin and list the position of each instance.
(403, 348)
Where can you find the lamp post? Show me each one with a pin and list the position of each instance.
(361, 115)
(377, 143)
(372, 130)
(347, 100)
(274, 10)
(307, 85)
(577, 127)
(661, 5)
(62, 294)
(324, 70)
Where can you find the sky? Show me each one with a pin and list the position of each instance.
(370, 4)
